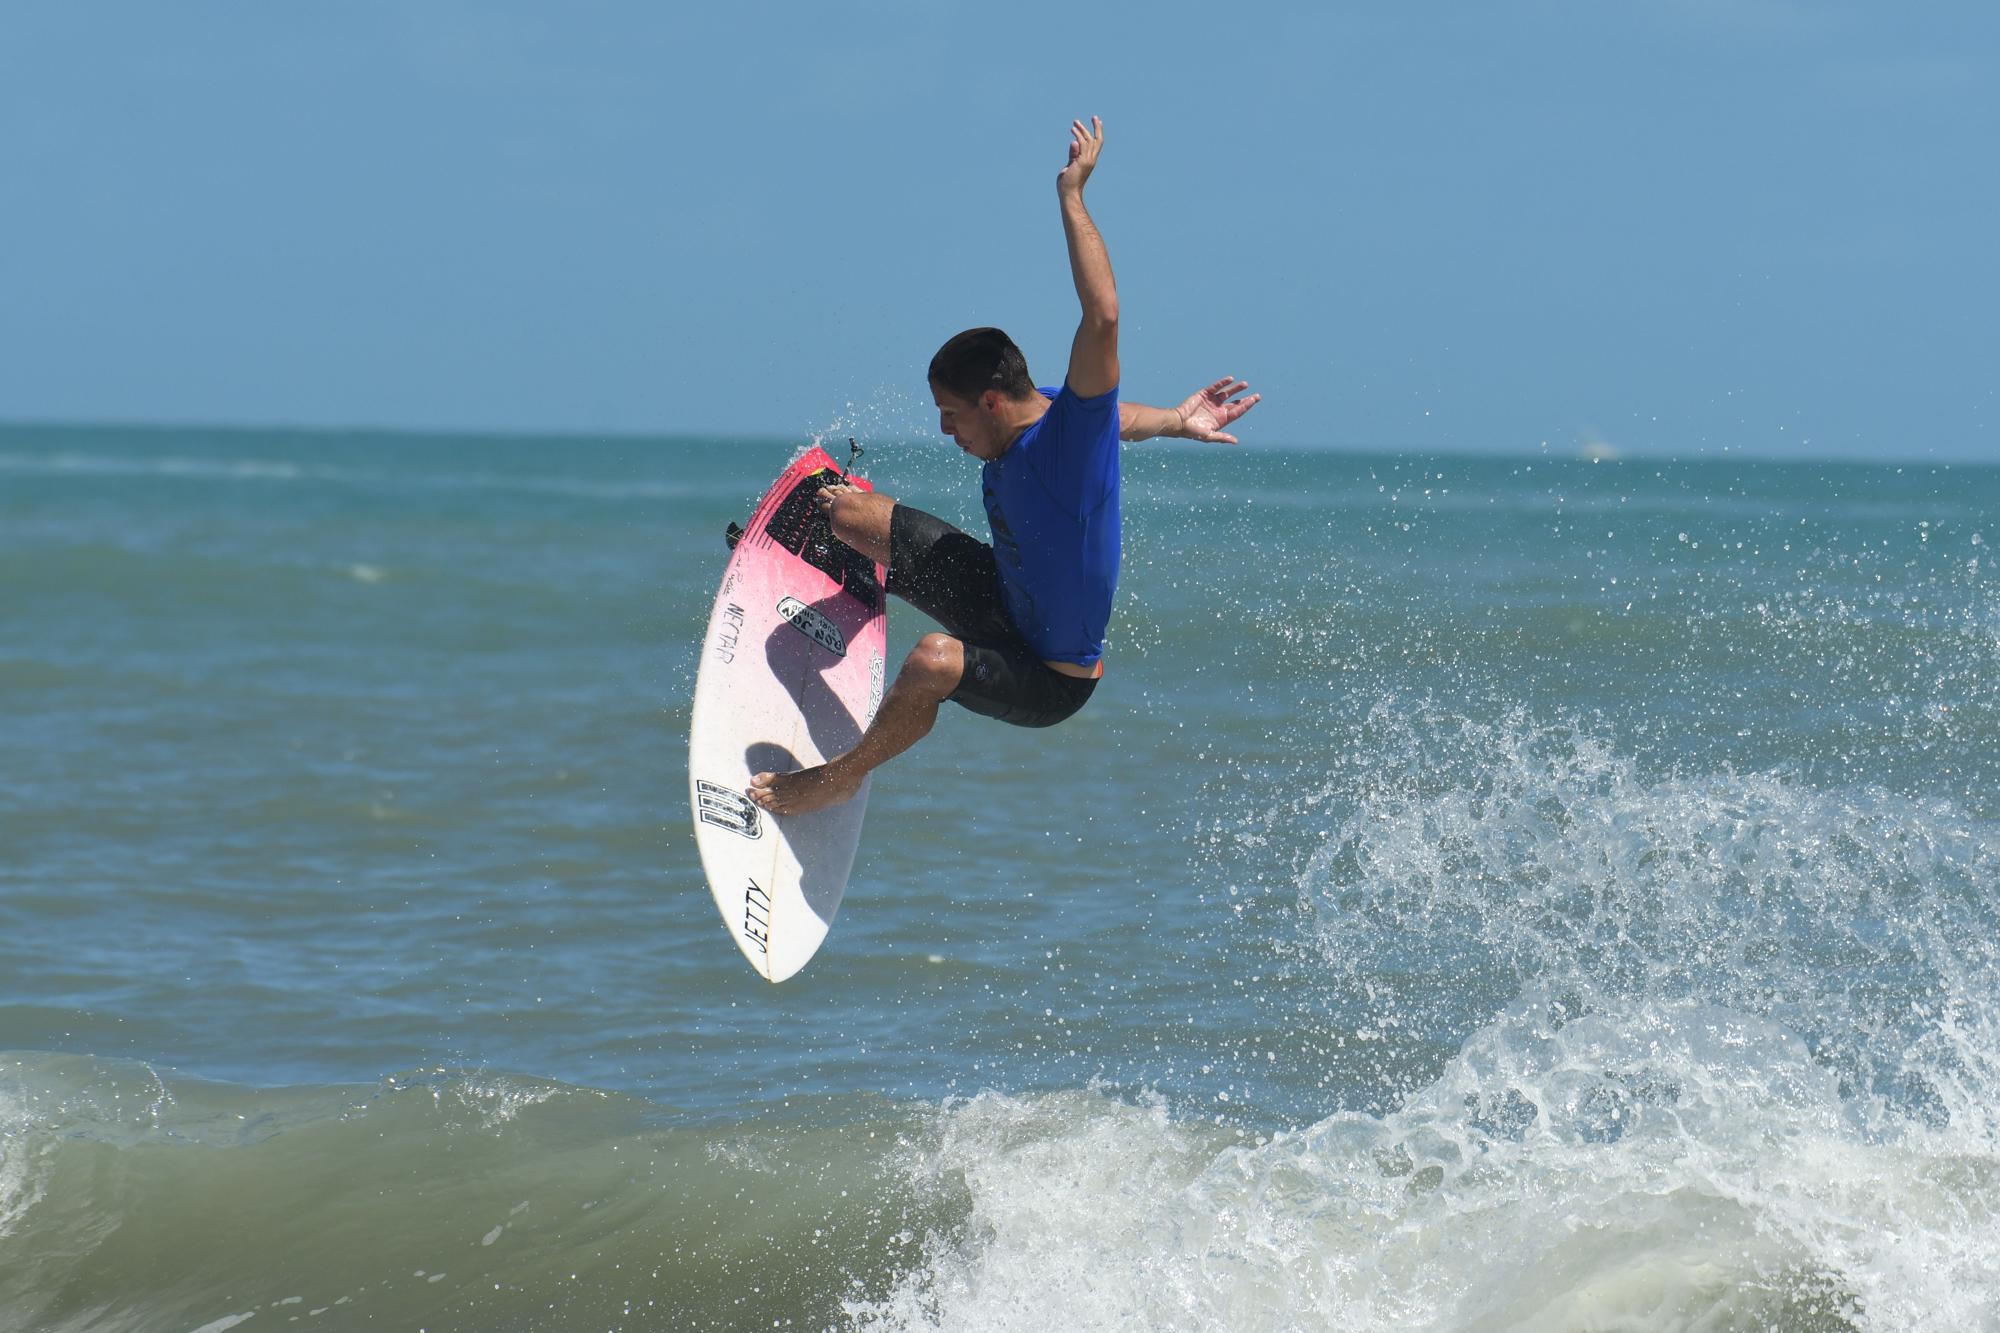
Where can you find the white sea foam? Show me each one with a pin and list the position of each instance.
(226, 1322)
(1668, 1166)
(23, 1164)
(1741, 1071)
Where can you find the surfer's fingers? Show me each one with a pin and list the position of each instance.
(1236, 408)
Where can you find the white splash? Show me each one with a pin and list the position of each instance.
(1740, 1070)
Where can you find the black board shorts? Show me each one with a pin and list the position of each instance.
(951, 577)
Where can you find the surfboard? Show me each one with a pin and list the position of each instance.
(791, 674)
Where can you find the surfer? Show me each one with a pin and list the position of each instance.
(1024, 616)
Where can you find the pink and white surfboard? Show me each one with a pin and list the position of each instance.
(791, 674)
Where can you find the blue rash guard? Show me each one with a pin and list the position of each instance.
(1052, 500)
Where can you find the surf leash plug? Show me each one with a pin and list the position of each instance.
(854, 452)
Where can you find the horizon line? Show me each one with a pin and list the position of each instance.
(1546, 453)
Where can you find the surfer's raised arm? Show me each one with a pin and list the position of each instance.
(1093, 356)
(1202, 416)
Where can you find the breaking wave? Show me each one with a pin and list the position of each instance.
(1739, 1070)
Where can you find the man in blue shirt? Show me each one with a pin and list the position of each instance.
(1025, 616)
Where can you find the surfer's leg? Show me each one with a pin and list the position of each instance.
(947, 574)
(929, 675)
(859, 518)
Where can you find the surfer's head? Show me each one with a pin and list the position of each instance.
(980, 382)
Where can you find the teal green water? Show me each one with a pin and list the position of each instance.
(1483, 894)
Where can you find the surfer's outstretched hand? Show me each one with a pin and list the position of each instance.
(1205, 414)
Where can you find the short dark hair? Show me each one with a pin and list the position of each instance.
(972, 362)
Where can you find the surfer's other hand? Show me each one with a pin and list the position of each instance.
(1205, 414)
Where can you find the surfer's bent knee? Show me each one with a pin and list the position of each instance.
(939, 661)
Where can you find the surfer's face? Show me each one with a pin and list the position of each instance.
(970, 424)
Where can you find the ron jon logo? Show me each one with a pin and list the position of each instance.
(813, 625)
(728, 809)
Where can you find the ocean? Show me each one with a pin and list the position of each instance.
(1484, 894)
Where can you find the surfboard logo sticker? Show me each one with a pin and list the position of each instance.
(813, 625)
(757, 917)
(727, 809)
(729, 630)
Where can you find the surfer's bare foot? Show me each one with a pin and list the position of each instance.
(807, 790)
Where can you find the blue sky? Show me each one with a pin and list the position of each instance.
(1674, 226)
